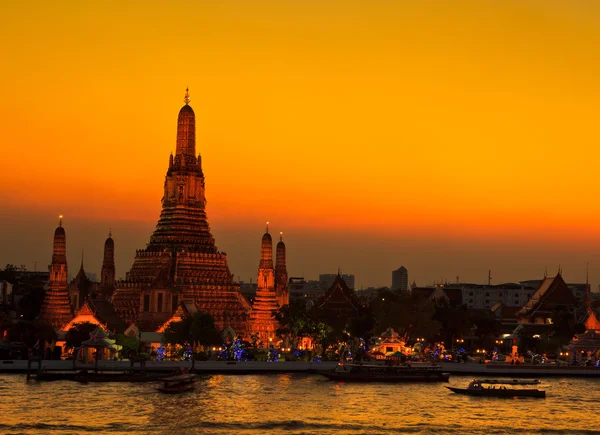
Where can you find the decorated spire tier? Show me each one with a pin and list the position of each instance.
(181, 262)
(265, 303)
(56, 307)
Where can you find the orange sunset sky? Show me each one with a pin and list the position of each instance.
(448, 137)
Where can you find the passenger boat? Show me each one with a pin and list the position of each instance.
(501, 388)
(380, 373)
(178, 384)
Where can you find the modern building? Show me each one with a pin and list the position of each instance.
(400, 279)
(6, 292)
(326, 280)
(300, 289)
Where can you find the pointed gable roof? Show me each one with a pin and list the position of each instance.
(99, 312)
(553, 291)
(339, 297)
(592, 323)
(184, 309)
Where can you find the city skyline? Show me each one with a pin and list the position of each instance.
(363, 151)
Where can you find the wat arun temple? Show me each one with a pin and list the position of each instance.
(181, 265)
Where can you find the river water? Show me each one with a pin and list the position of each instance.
(290, 404)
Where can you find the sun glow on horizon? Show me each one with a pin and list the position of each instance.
(402, 120)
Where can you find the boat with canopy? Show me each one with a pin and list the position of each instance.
(501, 388)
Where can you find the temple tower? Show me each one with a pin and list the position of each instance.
(181, 262)
(107, 273)
(265, 302)
(281, 275)
(56, 308)
(81, 288)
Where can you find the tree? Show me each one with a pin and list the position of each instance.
(31, 303)
(79, 333)
(199, 327)
(9, 273)
(294, 321)
(564, 325)
(130, 344)
(30, 333)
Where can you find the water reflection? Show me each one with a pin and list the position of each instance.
(289, 404)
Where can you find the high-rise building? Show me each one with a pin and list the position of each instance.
(56, 308)
(400, 279)
(326, 280)
(181, 262)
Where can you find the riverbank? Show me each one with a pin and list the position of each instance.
(260, 367)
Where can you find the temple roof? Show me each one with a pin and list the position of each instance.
(339, 296)
(552, 292)
(102, 311)
(592, 322)
(186, 109)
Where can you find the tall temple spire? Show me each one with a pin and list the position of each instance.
(265, 302)
(588, 300)
(281, 275)
(56, 308)
(186, 131)
(107, 273)
(266, 250)
(181, 262)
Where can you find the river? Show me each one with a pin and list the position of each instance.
(290, 404)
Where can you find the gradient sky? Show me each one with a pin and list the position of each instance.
(448, 137)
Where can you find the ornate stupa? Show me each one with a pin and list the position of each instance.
(56, 308)
(107, 273)
(265, 302)
(81, 288)
(281, 275)
(181, 262)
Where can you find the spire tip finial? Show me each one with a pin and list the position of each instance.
(110, 233)
(187, 98)
(60, 216)
(267, 227)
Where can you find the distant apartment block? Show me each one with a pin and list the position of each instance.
(306, 290)
(400, 279)
(482, 296)
(326, 280)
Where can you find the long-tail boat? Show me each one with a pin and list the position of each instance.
(501, 388)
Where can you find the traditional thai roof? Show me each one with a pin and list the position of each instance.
(503, 312)
(592, 322)
(99, 339)
(184, 310)
(553, 292)
(588, 341)
(339, 297)
(100, 312)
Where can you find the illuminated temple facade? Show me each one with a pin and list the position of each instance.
(181, 262)
(271, 291)
(56, 307)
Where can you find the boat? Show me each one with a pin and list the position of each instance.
(380, 373)
(501, 388)
(178, 384)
